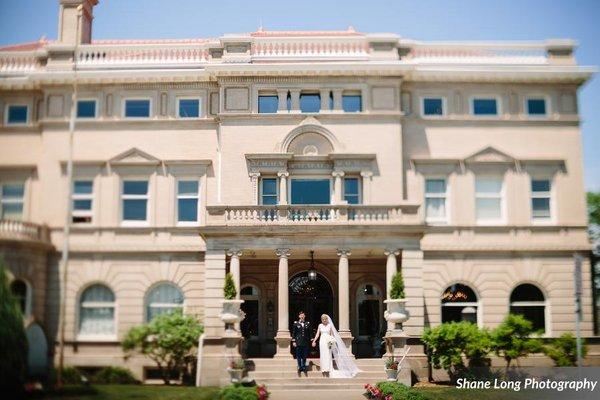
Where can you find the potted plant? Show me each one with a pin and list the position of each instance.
(231, 313)
(236, 369)
(392, 369)
(396, 312)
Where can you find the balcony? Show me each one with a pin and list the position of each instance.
(23, 231)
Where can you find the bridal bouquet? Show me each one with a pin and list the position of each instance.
(330, 341)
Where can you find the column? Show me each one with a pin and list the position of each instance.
(337, 99)
(282, 100)
(234, 268)
(283, 187)
(344, 298)
(295, 94)
(337, 186)
(254, 181)
(366, 186)
(283, 337)
(391, 267)
(324, 94)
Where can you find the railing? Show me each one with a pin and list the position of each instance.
(312, 214)
(20, 230)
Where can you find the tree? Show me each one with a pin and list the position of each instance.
(512, 339)
(13, 342)
(169, 340)
(397, 287)
(593, 202)
(563, 350)
(229, 290)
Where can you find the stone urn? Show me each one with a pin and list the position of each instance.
(235, 375)
(392, 374)
(396, 313)
(232, 314)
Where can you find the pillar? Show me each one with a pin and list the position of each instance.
(337, 99)
(295, 95)
(324, 94)
(391, 267)
(283, 337)
(344, 298)
(282, 100)
(283, 187)
(254, 176)
(234, 268)
(337, 187)
(366, 186)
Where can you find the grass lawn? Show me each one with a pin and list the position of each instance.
(450, 393)
(133, 392)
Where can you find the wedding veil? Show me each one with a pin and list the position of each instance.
(346, 368)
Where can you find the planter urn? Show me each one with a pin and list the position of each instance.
(392, 374)
(232, 314)
(396, 313)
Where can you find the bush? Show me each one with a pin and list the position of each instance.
(239, 392)
(229, 290)
(512, 339)
(397, 287)
(448, 343)
(71, 376)
(563, 350)
(13, 342)
(114, 375)
(398, 391)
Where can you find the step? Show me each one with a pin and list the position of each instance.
(316, 394)
(294, 374)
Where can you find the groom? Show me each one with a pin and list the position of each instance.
(300, 340)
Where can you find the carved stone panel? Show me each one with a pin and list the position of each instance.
(56, 105)
(237, 99)
(384, 98)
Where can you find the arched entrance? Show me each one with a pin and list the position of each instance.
(314, 297)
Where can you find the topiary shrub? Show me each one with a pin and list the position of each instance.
(512, 339)
(13, 342)
(397, 287)
(71, 376)
(114, 375)
(563, 350)
(229, 290)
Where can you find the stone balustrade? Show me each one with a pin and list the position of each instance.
(21, 230)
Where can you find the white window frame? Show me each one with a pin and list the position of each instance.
(150, 110)
(485, 97)
(502, 219)
(446, 196)
(97, 337)
(7, 107)
(179, 98)
(13, 201)
(178, 197)
(260, 188)
(359, 183)
(536, 97)
(162, 305)
(95, 108)
(433, 97)
(549, 195)
(83, 196)
(125, 222)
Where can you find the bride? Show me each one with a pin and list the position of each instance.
(331, 347)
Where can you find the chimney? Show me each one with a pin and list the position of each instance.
(67, 21)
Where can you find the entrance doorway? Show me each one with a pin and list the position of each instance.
(314, 297)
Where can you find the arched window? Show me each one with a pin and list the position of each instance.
(528, 301)
(97, 311)
(459, 303)
(250, 325)
(22, 293)
(163, 299)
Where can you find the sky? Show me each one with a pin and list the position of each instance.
(27, 20)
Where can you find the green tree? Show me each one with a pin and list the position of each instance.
(563, 350)
(13, 342)
(170, 340)
(593, 202)
(512, 339)
(229, 290)
(397, 289)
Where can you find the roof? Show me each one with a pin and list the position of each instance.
(28, 46)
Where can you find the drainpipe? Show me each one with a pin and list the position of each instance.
(199, 360)
(219, 161)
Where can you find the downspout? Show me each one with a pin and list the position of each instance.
(199, 360)
(219, 161)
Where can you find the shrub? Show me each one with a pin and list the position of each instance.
(448, 343)
(511, 339)
(229, 290)
(392, 391)
(397, 287)
(114, 375)
(169, 340)
(390, 363)
(563, 350)
(13, 342)
(71, 376)
(239, 392)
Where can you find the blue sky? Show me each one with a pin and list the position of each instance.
(26, 20)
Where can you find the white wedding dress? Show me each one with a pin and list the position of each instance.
(326, 356)
(345, 366)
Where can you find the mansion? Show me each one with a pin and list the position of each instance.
(312, 165)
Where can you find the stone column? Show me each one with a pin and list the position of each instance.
(366, 186)
(337, 99)
(391, 267)
(283, 187)
(283, 337)
(254, 181)
(344, 298)
(234, 268)
(337, 186)
(295, 94)
(282, 100)
(324, 93)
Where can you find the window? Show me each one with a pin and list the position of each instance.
(310, 103)
(540, 199)
(488, 199)
(536, 106)
(433, 106)
(187, 201)
(250, 325)
(97, 312)
(311, 191)
(528, 301)
(369, 306)
(351, 191)
(163, 299)
(86, 109)
(11, 200)
(82, 201)
(459, 303)
(435, 200)
(351, 103)
(16, 115)
(268, 191)
(188, 108)
(137, 108)
(268, 104)
(135, 201)
(22, 293)
(487, 106)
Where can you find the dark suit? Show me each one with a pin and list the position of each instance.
(301, 337)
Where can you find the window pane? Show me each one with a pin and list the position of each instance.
(82, 187)
(541, 208)
(310, 191)
(97, 321)
(189, 108)
(432, 107)
(351, 186)
(269, 200)
(17, 114)
(135, 187)
(435, 186)
(540, 185)
(485, 107)
(352, 103)
(187, 210)
(165, 293)
(488, 185)
(82, 205)
(98, 293)
(18, 289)
(535, 314)
(268, 104)
(86, 109)
(526, 292)
(137, 108)
(435, 208)
(134, 210)
(488, 209)
(310, 103)
(12, 211)
(187, 188)
(536, 106)
(13, 191)
(269, 186)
